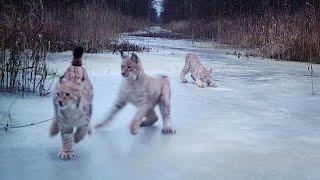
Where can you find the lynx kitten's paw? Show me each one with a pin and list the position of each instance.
(134, 127)
(168, 130)
(66, 154)
(201, 85)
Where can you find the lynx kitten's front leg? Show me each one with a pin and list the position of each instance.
(212, 84)
(80, 133)
(115, 109)
(67, 144)
(54, 128)
(200, 83)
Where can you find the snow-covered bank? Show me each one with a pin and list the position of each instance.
(260, 123)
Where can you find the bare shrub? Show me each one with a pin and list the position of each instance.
(93, 26)
(28, 31)
(23, 62)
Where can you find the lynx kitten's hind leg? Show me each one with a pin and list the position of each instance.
(165, 112)
(165, 109)
(150, 118)
(80, 133)
(54, 128)
(138, 118)
(67, 144)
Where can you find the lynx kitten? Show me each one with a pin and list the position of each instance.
(145, 93)
(73, 106)
(198, 72)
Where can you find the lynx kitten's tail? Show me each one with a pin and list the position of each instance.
(77, 55)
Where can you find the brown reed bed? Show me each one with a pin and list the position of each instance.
(29, 31)
(278, 35)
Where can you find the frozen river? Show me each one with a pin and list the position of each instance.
(260, 123)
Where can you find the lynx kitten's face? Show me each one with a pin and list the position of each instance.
(206, 76)
(66, 96)
(130, 67)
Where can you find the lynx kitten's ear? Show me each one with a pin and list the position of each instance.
(210, 70)
(62, 79)
(134, 58)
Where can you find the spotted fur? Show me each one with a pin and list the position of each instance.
(199, 73)
(145, 93)
(72, 102)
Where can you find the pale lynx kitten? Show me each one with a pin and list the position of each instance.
(145, 93)
(72, 102)
(199, 73)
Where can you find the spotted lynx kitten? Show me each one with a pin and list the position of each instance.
(198, 72)
(72, 102)
(145, 93)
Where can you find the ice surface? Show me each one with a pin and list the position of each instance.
(260, 123)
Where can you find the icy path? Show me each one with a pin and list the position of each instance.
(260, 123)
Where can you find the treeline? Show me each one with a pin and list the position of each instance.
(29, 29)
(134, 8)
(206, 9)
(281, 29)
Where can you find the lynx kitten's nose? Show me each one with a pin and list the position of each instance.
(60, 103)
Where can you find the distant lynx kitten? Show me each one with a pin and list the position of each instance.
(73, 106)
(145, 93)
(199, 73)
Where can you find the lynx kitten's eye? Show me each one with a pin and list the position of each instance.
(67, 94)
(129, 66)
(58, 94)
(122, 66)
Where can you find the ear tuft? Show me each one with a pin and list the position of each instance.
(62, 79)
(134, 58)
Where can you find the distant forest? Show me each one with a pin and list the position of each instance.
(205, 9)
(135, 8)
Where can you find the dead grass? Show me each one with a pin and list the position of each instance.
(28, 32)
(94, 27)
(278, 35)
